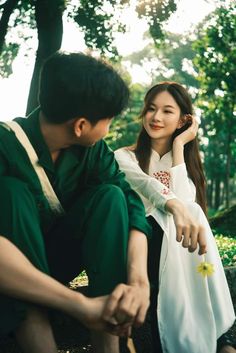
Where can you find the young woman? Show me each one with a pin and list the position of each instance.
(193, 310)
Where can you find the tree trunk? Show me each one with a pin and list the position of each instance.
(209, 193)
(48, 14)
(8, 8)
(217, 193)
(228, 166)
(222, 193)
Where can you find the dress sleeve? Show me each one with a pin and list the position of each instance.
(144, 184)
(181, 184)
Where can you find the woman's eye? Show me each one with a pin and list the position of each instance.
(167, 111)
(150, 109)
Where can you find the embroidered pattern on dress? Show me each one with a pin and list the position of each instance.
(163, 177)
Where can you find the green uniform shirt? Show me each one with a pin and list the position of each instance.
(77, 169)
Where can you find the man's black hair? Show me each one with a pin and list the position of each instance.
(76, 85)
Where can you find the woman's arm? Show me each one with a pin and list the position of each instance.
(180, 183)
(186, 226)
(145, 185)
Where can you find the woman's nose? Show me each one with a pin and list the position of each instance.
(157, 116)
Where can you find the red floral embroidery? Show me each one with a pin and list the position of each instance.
(165, 191)
(163, 177)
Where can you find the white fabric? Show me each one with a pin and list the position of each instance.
(193, 311)
(153, 193)
(44, 181)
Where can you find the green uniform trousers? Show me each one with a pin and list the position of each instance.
(92, 235)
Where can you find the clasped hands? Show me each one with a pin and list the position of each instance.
(116, 313)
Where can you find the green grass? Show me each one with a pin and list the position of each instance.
(227, 249)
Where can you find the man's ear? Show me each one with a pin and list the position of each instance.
(80, 126)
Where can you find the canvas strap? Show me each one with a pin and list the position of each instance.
(44, 181)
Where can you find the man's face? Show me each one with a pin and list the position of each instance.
(90, 134)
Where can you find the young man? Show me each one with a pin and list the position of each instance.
(65, 207)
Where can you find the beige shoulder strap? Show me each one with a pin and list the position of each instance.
(44, 181)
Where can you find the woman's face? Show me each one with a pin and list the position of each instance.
(162, 117)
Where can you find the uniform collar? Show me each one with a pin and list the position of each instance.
(32, 128)
(165, 158)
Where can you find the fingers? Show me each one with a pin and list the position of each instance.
(126, 304)
(202, 242)
(127, 308)
(191, 235)
(112, 304)
(193, 239)
(140, 318)
(123, 330)
(179, 232)
(186, 235)
(193, 128)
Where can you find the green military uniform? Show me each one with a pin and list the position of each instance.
(99, 205)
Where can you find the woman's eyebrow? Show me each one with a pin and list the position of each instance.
(169, 106)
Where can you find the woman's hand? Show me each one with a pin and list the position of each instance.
(190, 133)
(188, 230)
(186, 136)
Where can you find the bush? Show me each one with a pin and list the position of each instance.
(227, 249)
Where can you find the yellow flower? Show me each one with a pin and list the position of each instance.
(205, 269)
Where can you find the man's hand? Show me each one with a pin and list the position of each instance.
(189, 231)
(117, 313)
(127, 304)
(93, 314)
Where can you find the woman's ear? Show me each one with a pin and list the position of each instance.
(184, 119)
(182, 122)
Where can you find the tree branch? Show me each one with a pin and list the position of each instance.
(8, 7)
(48, 15)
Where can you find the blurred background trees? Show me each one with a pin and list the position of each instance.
(99, 20)
(204, 60)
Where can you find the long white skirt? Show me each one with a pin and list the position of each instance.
(193, 311)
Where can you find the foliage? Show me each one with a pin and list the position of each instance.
(225, 221)
(227, 249)
(216, 63)
(124, 129)
(170, 60)
(9, 53)
(156, 12)
(98, 19)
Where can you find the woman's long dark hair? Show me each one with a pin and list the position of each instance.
(192, 158)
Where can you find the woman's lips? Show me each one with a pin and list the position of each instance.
(156, 127)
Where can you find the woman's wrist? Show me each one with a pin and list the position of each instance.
(178, 143)
(178, 152)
